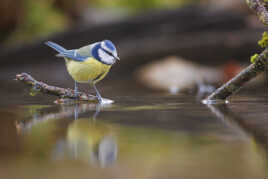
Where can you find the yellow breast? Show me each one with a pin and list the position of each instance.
(90, 70)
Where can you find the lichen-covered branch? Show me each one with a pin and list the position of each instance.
(258, 61)
(239, 80)
(258, 6)
(53, 90)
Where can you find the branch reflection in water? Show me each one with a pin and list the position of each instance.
(257, 133)
(85, 139)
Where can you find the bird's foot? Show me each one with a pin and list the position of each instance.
(100, 100)
(105, 102)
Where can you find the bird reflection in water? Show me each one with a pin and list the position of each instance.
(90, 140)
(86, 139)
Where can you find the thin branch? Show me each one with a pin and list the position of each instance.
(53, 90)
(258, 66)
(258, 6)
(239, 80)
(69, 111)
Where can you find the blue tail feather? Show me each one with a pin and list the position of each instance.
(56, 47)
(71, 54)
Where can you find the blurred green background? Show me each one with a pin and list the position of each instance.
(25, 20)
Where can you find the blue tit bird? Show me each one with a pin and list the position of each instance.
(88, 64)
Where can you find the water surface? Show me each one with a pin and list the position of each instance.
(141, 135)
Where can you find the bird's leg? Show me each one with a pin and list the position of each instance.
(76, 111)
(97, 93)
(98, 108)
(76, 92)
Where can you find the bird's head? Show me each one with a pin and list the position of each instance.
(105, 52)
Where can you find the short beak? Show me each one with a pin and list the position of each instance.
(117, 58)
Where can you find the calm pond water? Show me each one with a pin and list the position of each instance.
(141, 135)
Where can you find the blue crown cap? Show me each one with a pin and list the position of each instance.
(109, 45)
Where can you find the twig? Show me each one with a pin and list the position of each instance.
(258, 6)
(239, 80)
(251, 71)
(53, 90)
(68, 112)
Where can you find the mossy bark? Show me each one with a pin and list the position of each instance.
(258, 61)
(239, 80)
(258, 6)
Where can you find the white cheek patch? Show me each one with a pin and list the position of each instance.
(107, 49)
(105, 57)
(104, 47)
(114, 52)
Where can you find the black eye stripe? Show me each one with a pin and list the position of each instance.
(109, 53)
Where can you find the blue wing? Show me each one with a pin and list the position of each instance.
(72, 54)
